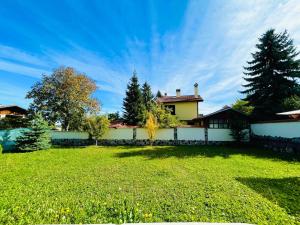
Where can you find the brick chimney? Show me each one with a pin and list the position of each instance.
(196, 92)
(177, 92)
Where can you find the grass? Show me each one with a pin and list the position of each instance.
(149, 184)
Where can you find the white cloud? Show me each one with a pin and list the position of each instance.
(20, 69)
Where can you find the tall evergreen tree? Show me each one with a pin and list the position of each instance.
(133, 102)
(147, 96)
(271, 74)
(158, 94)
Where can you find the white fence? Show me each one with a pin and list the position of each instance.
(69, 135)
(277, 129)
(117, 134)
(186, 133)
(191, 134)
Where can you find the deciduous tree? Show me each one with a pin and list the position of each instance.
(243, 106)
(97, 126)
(64, 97)
(151, 126)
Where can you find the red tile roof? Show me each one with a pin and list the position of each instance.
(183, 98)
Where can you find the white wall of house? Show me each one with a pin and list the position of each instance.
(190, 134)
(277, 129)
(118, 134)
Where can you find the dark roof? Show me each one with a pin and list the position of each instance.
(225, 108)
(183, 98)
(2, 107)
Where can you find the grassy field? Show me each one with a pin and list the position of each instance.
(148, 184)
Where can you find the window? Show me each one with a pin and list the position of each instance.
(218, 123)
(171, 109)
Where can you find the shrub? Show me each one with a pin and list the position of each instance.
(37, 137)
(151, 126)
(97, 126)
(237, 128)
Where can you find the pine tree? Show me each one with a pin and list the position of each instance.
(147, 96)
(133, 103)
(37, 137)
(271, 75)
(158, 94)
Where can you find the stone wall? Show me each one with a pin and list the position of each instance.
(109, 142)
(289, 146)
(72, 142)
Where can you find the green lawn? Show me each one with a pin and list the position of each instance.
(147, 184)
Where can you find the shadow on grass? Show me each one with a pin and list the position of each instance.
(158, 152)
(56, 147)
(284, 192)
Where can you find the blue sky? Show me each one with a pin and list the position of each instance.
(171, 44)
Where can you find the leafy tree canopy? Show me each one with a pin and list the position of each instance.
(291, 103)
(13, 122)
(64, 97)
(243, 106)
(114, 116)
(96, 126)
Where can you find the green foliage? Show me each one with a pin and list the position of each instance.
(243, 106)
(133, 102)
(158, 94)
(97, 126)
(97, 185)
(13, 122)
(272, 74)
(147, 96)
(291, 103)
(164, 117)
(37, 137)
(64, 96)
(151, 126)
(237, 130)
(114, 116)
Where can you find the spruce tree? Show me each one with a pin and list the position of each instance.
(37, 137)
(158, 94)
(147, 96)
(271, 74)
(133, 103)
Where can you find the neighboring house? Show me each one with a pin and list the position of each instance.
(221, 118)
(295, 114)
(11, 111)
(185, 107)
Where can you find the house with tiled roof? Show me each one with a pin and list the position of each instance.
(185, 107)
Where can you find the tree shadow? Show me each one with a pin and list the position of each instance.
(284, 192)
(159, 152)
